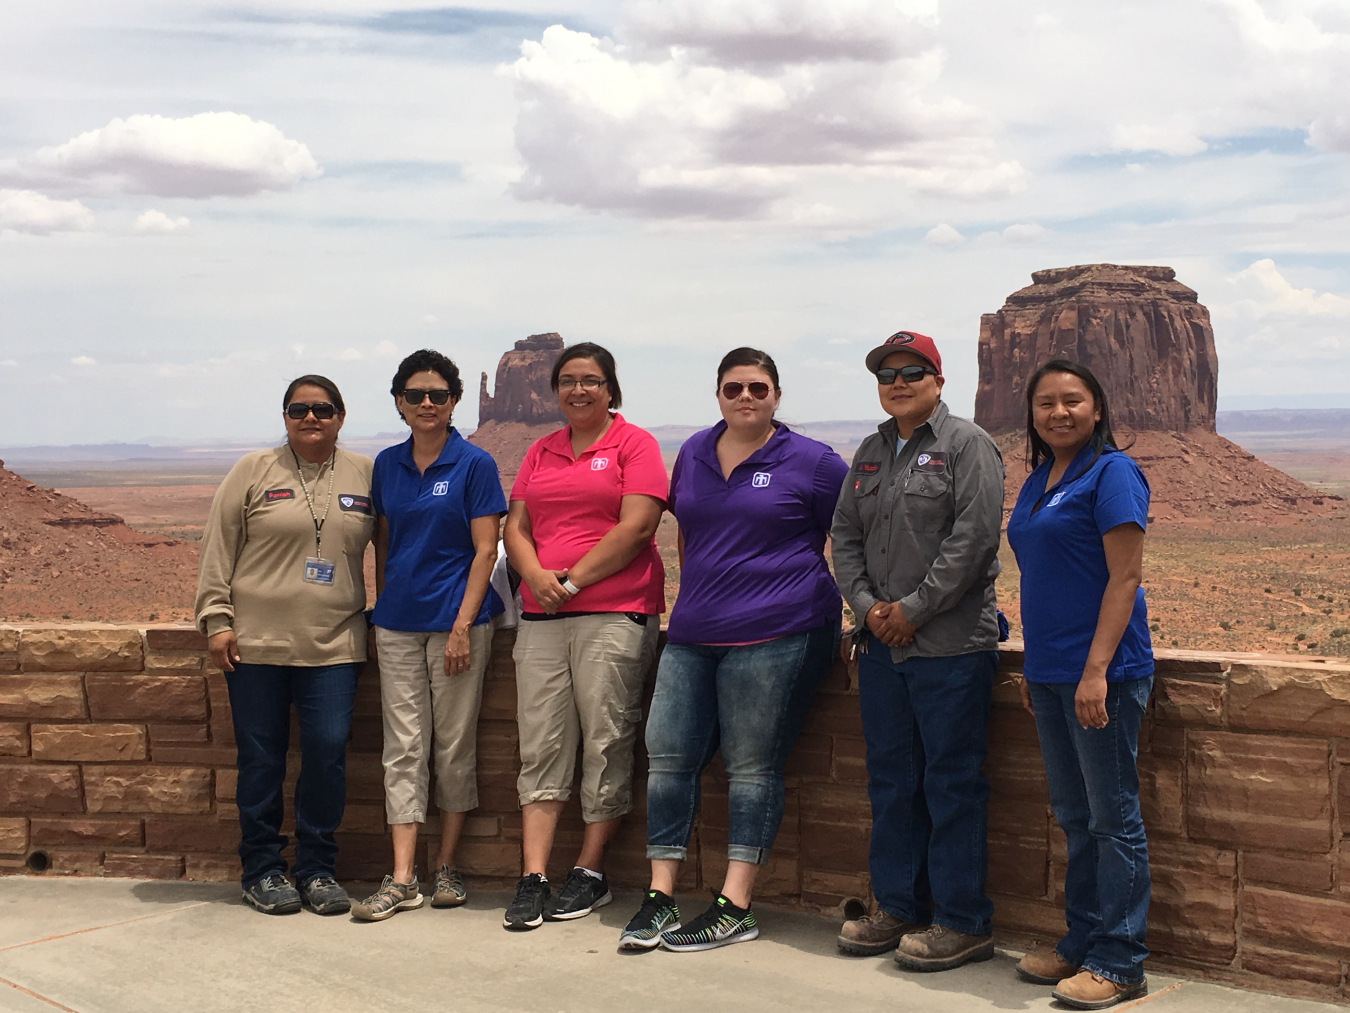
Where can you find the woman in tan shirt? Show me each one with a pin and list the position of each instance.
(280, 594)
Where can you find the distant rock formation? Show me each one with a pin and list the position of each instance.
(1143, 334)
(523, 393)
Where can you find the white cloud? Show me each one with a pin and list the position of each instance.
(8, 362)
(740, 109)
(1330, 133)
(1170, 137)
(430, 318)
(351, 355)
(944, 235)
(206, 155)
(34, 213)
(1267, 292)
(1024, 232)
(386, 350)
(83, 360)
(158, 221)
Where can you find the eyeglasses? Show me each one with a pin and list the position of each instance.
(758, 389)
(585, 383)
(910, 374)
(414, 396)
(322, 410)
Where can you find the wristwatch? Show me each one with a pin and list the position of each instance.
(569, 587)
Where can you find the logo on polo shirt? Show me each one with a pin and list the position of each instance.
(599, 463)
(935, 462)
(351, 502)
(1054, 500)
(440, 488)
(924, 458)
(761, 479)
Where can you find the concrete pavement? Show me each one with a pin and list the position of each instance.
(120, 946)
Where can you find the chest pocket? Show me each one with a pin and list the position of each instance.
(357, 530)
(928, 501)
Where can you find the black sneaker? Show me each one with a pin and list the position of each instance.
(721, 925)
(658, 914)
(581, 894)
(273, 895)
(324, 896)
(527, 910)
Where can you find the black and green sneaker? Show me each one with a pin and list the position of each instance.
(658, 914)
(721, 925)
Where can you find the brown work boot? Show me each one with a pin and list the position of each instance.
(872, 934)
(1086, 990)
(1044, 966)
(938, 948)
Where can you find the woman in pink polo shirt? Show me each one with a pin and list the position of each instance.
(580, 531)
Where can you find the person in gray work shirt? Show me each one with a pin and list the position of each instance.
(915, 545)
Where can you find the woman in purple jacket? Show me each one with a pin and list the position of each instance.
(753, 632)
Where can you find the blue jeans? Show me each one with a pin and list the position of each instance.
(751, 701)
(261, 698)
(926, 721)
(1094, 791)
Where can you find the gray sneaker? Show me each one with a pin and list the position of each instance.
(389, 900)
(450, 891)
(273, 895)
(324, 896)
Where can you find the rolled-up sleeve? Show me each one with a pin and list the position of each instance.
(971, 549)
(222, 541)
(848, 550)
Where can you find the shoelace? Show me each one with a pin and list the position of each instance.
(276, 881)
(576, 883)
(528, 886)
(322, 882)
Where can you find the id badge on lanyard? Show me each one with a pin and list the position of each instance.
(319, 571)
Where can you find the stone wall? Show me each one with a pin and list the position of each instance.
(116, 758)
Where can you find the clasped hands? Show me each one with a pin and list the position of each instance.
(888, 623)
(547, 588)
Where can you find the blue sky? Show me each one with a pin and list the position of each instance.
(199, 202)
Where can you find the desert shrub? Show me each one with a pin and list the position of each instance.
(1300, 636)
(1339, 632)
(1269, 591)
(1175, 644)
(1298, 592)
(1224, 624)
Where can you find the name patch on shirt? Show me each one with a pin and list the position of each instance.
(933, 462)
(599, 463)
(868, 467)
(272, 495)
(359, 504)
(760, 479)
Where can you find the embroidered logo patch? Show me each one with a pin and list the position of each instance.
(934, 463)
(599, 463)
(1054, 500)
(761, 479)
(272, 495)
(867, 467)
(349, 502)
(901, 338)
(440, 488)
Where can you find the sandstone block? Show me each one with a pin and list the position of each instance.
(1166, 741)
(1313, 924)
(81, 650)
(1343, 800)
(1017, 817)
(9, 640)
(134, 865)
(1016, 773)
(1194, 904)
(226, 780)
(1293, 699)
(81, 833)
(1187, 702)
(1290, 966)
(1038, 917)
(45, 788)
(489, 858)
(482, 826)
(831, 889)
(843, 804)
(147, 789)
(202, 755)
(13, 835)
(1161, 796)
(182, 662)
(212, 868)
(88, 742)
(364, 818)
(849, 759)
(190, 833)
(13, 738)
(1018, 865)
(832, 847)
(810, 757)
(179, 734)
(1006, 690)
(76, 863)
(834, 715)
(41, 696)
(1300, 872)
(147, 697)
(179, 639)
(1261, 791)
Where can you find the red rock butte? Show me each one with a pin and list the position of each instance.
(1144, 335)
(524, 406)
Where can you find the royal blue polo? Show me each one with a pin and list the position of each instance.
(754, 562)
(1057, 538)
(426, 567)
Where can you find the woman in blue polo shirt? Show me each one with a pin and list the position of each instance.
(753, 632)
(1078, 533)
(438, 504)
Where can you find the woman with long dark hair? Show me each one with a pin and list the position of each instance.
(1078, 533)
(753, 633)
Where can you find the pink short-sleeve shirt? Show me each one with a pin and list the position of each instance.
(574, 502)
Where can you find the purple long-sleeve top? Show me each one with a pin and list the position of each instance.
(754, 544)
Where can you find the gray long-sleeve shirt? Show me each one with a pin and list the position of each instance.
(921, 528)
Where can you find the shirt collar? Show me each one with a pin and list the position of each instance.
(560, 442)
(891, 429)
(706, 449)
(450, 453)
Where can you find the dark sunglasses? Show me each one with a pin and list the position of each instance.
(323, 411)
(758, 389)
(910, 374)
(414, 396)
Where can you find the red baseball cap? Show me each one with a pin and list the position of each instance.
(905, 341)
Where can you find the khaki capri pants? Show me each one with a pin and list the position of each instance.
(579, 680)
(429, 714)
